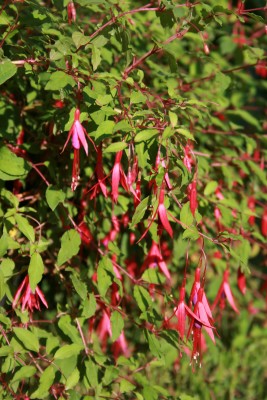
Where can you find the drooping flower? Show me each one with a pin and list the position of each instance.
(118, 176)
(154, 258)
(77, 134)
(71, 12)
(241, 281)
(264, 222)
(188, 159)
(162, 213)
(251, 206)
(104, 329)
(192, 194)
(120, 346)
(29, 300)
(195, 327)
(194, 295)
(225, 292)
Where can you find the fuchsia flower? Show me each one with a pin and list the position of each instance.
(192, 194)
(154, 258)
(264, 222)
(194, 294)
(29, 300)
(188, 160)
(118, 176)
(251, 206)
(196, 325)
(241, 281)
(224, 292)
(77, 134)
(104, 329)
(100, 171)
(111, 236)
(162, 213)
(71, 12)
(120, 346)
(166, 175)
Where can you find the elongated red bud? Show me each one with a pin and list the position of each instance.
(264, 222)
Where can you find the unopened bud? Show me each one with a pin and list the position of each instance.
(206, 49)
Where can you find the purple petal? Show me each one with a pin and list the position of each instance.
(75, 139)
(80, 131)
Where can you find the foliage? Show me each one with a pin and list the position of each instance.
(133, 217)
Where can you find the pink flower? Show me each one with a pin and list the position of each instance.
(241, 281)
(163, 213)
(154, 258)
(77, 134)
(194, 295)
(118, 176)
(71, 12)
(120, 346)
(29, 300)
(192, 194)
(225, 292)
(188, 160)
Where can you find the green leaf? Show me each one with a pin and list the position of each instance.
(149, 393)
(70, 246)
(24, 372)
(54, 197)
(2, 285)
(137, 97)
(59, 80)
(11, 166)
(25, 227)
(79, 286)
(46, 381)
(140, 211)
(92, 373)
(7, 70)
(28, 339)
(122, 126)
(79, 39)
(173, 118)
(96, 57)
(222, 80)
(36, 270)
(191, 233)
(3, 244)
(154, 344)
(186, 133)
(6, 350)
(73, 379)
(142, 298)
(151, 275)
(145, 135)
(105, 129)
(186, 216)
(68, 351)
(89, 306)
(117, 325)
(126, 386)
(210, 188)
(104, 278)
(10, 197)
(115, 147)
(65, 325)
(246, 116)
(261, 174)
